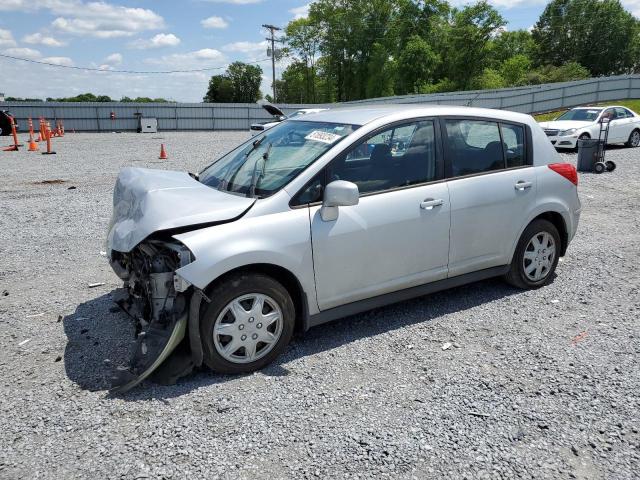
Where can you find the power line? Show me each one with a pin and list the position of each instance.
(136, 72)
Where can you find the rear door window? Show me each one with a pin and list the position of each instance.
(474, 146)
(513, 139)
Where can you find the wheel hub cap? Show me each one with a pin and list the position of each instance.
(539, 256)
(248, 328)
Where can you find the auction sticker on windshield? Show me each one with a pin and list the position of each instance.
(324, 137)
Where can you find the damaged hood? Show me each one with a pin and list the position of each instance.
(146, 201)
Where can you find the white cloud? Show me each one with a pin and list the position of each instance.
(204, 58)
(214, 22)
(246, 47)
(22, 52)
(158, 41)
(114, 59)
(13, 5)
(6, 38)
(66, 61)
(300, 12)
(40, 39)
(97, 19)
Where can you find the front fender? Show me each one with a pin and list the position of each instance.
(280, 239)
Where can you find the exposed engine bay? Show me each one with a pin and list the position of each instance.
(158, 300)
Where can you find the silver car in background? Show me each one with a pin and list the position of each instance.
(327, 215)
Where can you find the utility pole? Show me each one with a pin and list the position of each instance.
(272, 39)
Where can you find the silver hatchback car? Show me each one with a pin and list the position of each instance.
(328, 215)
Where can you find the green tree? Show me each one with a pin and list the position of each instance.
(597, 34)
(220, 90)
(550, 73)
(349, 29)
(245, 80)
(469, 41)
(303, 39)
(514, 70)
(508, 44)
(416, 65)
(489, 79)
(381, 73)
(293, 87)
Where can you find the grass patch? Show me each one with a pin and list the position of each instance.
(631, 104)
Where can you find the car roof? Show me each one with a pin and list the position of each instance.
(361, 115)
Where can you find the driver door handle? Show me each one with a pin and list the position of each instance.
(521, 185)
(429, 203)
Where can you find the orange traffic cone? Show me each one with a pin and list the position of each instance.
(14, 147)
(47, 134)
(163, 153)
(33, 146)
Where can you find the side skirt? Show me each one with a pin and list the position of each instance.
(402, 295)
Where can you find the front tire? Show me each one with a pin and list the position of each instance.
(536, 256)
(248, 323)
(634, 139)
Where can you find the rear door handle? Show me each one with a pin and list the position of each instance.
(429, 203)
(521, 185)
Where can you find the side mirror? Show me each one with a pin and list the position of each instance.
(338, 193)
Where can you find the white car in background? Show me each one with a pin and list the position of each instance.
(279, 115)
(584, 122)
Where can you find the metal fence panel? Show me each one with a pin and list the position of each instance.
(94, 116)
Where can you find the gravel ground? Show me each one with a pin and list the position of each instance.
(540, 384)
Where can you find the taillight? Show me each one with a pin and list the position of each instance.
(567, 170)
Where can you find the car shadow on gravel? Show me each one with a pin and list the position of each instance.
(100, 337)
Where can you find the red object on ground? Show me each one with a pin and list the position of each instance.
(163, 153)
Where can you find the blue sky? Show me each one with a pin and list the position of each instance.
(145, 35)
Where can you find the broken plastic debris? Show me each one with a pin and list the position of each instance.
(24, 342)
(447, 346)
(103, 253)
(94, 285)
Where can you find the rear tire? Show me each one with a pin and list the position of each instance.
(634, 139)
(536, 256)
(251, 316)
(599, 167)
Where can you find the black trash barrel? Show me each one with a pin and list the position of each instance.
(587, 154)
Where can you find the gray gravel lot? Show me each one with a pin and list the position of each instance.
(539, 384)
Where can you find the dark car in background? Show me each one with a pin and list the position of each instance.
(5, 122)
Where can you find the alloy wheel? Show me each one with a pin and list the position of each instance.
(635, 138)
(248, 328)
(539, 256)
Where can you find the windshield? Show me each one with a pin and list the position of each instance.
(581, 114)
(267, 162)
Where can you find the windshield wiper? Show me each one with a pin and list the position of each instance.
(255, 178)
(224, 183)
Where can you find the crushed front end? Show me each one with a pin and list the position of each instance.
(158, 299)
